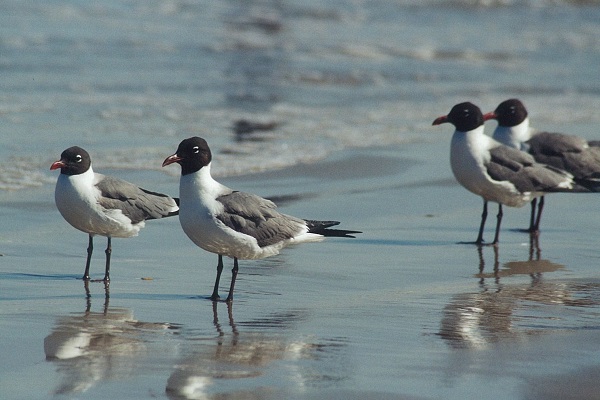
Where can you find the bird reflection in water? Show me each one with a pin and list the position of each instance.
(91, 347)
(534, 266)
(502, 311)
(254, 360)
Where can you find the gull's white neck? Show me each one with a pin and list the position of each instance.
(473, 141)
(514, 136)
(80, 183)
(200, 184)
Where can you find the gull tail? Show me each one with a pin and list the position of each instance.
(572, 183)
(176, 212)
(577, 186)
(322, 228)
(590, 184)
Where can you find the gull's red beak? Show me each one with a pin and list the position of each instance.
(57, 164)
(440, 120)
(490, 115)
(171, 159)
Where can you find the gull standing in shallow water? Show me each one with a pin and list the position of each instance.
(231, 223)
(567, 152)
(494, 171)
(103, 205)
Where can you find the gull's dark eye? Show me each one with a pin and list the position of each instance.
(78, 158)
(512, 110)
(466, 112)
(196, 149)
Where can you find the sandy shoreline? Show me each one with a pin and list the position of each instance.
(401, 298)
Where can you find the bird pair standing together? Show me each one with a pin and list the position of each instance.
(216, 218)
(517, 165)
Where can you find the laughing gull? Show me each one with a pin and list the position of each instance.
(231, 223)
(494, 171)
(567, 152)
(103, 205)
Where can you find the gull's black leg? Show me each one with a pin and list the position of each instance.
(215, 293)
(108, 252)
(90, 249)
(234, 272)
(532, 218)
(536, 227)
(482, 225)
(498, 222)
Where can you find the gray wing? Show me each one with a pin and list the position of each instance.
(257, 217)
(521, 169)
(567, 152)
(136, 203)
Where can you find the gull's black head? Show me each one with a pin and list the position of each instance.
(73, 161)
(464, 116)
(509, 113)
(192, 154)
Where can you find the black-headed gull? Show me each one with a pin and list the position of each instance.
(494, 171)
(231, 223)
(571, 153)
(103, 205)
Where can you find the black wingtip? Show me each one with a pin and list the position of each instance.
(322, 228)
(591, 185)
(312, 224)
(338, 233)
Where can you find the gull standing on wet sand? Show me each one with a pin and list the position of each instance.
(570, 153)
(231, 223)
(494, 171)
(103, 205)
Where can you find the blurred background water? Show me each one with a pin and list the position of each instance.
(127, 80)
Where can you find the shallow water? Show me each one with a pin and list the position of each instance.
(402, 311)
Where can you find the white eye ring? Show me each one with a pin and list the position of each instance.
(78, 158)
(196, 149)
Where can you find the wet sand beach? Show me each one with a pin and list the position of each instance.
(402, 311)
